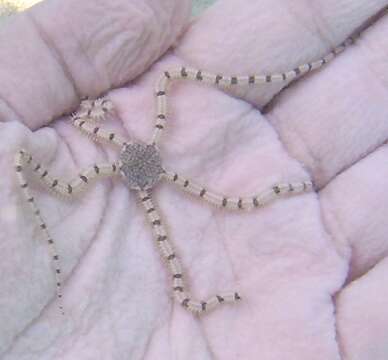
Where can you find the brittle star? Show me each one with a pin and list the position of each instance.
(140, 167)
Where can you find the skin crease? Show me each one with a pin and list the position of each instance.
(310, 268)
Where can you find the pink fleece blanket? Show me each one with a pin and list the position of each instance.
(312, 269)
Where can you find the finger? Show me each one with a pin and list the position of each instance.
(331, 120)
(60, 51)
(362, 316)
(354, 207)
(267, 36)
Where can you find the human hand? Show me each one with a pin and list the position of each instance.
(288, 260)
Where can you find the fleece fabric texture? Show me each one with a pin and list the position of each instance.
(311, 268)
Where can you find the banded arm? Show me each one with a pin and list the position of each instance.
(167, 252)
(22, 179)
(86, 119)
(24, 162)
(238, 203)
(224, 81)
(59, 187)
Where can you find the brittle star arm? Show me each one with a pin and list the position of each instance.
(221, 80)
(24, 162)
(181, 294)
(86, 119)
(238, 203)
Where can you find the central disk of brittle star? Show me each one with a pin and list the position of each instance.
(141, 166)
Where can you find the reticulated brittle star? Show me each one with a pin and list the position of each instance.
(140, 167)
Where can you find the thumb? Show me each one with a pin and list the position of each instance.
(60, 51)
